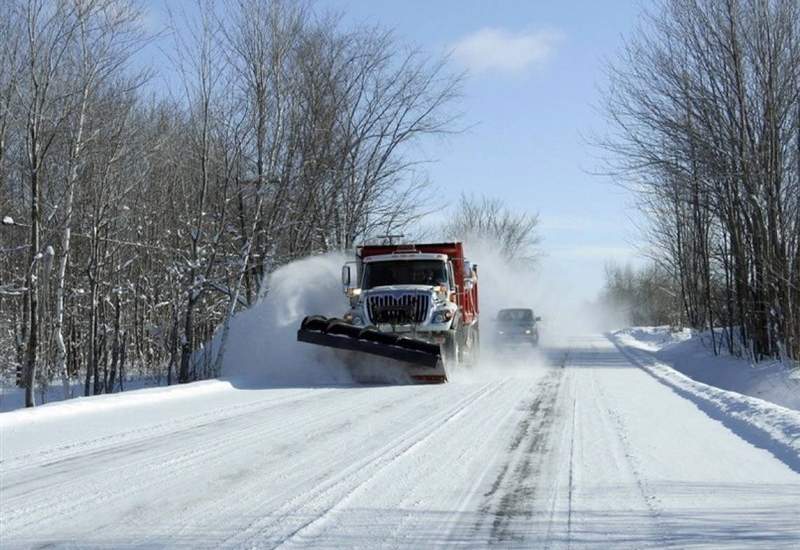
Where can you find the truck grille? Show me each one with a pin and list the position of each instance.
(402, 309)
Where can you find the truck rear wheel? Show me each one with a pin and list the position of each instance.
(472, 344)
(476, 345)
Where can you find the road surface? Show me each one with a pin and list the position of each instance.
(578, 448)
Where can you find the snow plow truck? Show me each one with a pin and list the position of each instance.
(416, 304)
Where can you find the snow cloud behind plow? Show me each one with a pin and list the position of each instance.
(509, 284)
(262, 348)
(505, 284)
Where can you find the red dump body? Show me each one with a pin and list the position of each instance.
(467, 300)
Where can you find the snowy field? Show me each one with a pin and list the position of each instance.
(573, 447)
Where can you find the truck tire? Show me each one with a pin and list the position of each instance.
(451, 349)
(475, 351)
(471, 346)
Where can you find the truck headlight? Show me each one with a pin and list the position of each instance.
(527, 331)
(352, 319)
(442, 316)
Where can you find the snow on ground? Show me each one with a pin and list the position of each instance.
(584, 443)
(13, 397)
(689, 352)
(581, 449)
(761, 422)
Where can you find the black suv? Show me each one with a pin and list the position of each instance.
(518, 325)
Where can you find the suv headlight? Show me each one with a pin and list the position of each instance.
(442, 316)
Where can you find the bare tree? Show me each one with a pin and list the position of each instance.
(142, 221)
(50, 30)
(705, 103)
(488, 219)
(107, 35)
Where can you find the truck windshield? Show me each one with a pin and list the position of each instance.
(408, 272)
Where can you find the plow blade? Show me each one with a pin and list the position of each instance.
(423, 359)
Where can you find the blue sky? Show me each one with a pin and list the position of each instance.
(531, 100)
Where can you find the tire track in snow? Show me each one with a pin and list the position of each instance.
(647, 497)
(126, 477)
(490, 425)
(455, 461)
(618, 445)
(295, 474)
(571, 470)
(397, 448)
(336, 490)
(512, 494)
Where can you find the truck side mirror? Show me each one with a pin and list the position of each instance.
(346, 275)
(538, 319)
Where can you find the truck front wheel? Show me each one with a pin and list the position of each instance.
(451, 348)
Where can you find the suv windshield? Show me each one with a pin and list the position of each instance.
(515, 315)
(406, 272)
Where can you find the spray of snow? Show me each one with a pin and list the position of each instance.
(506, 284)
(501, 284)
(263, 350)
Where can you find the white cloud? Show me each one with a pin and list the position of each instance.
(499, 49)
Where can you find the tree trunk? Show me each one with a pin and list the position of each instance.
(187, 344)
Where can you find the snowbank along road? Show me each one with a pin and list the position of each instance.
(574, 448)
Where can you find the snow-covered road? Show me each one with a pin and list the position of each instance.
(583, 449)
